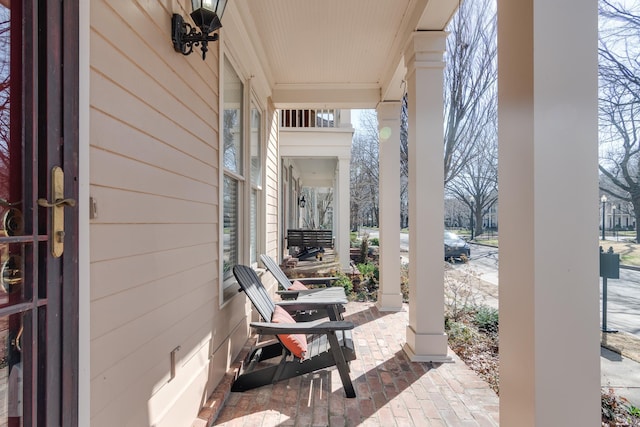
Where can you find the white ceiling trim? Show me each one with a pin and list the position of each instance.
(326, 96)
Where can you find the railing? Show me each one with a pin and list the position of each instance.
(325, 118)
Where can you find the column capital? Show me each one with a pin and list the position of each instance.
(389, 110)
(425, 49)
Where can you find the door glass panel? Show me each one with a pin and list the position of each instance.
(11, 371)
(10, 204)
(12, 272)
(15, 246)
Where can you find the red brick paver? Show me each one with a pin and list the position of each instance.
(391, 390)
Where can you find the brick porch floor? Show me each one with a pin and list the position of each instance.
(391, 390)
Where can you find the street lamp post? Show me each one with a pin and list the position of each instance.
(613, 225)
(471, 221)
(603, 199)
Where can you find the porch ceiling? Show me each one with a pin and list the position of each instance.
(338, 53)
(316, 172)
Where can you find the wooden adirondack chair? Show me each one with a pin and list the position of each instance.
(332, 344)
(294, 293)
(286, 283)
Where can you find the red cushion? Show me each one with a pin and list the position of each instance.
(295, 343)
(297, 286)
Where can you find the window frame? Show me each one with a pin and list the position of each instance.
(258, 187)
(228, 286)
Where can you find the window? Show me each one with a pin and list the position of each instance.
(256, 181)
(231, 228)
(233, 179)
(242, 166)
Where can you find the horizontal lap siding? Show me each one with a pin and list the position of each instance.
(154, 169)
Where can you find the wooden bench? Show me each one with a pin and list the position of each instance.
(309, 242)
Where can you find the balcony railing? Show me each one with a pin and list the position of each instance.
(325, 118)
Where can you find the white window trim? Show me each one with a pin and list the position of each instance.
(261, 200)
(227, 290)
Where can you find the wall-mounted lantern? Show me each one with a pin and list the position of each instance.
(206, 15)
(302, 202)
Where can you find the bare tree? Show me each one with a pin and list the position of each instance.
(619, 104)
(364, 171)
(470, 159)
(470, 77)
(5, 110)
(404, 164)
(319, 204)
(477, 185)
(470, 99)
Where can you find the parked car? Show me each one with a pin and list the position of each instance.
(455, 246)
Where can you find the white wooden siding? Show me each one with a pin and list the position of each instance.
(154, 174)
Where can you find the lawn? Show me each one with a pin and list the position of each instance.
(629, 251)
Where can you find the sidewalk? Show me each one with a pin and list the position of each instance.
(620, 365)
(619, 355)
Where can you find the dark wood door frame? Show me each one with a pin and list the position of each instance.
(70, 287)
(55, 37)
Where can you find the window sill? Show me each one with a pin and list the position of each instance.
(231, 287)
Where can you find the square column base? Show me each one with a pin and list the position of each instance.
(427, 347)
(389, 302)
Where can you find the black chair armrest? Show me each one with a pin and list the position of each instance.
(315, 327)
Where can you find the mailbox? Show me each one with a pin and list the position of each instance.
(609, 264)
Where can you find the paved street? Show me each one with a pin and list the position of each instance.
(623, 295)
(623, 302)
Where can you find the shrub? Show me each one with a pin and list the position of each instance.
(369, 270)
(460, 291)
(369, 285)
(486, 319)
(617, 411)
(374, 241)
(364, 248)
(404, 282)
(344, 281)
(353, 239)
(458, 333)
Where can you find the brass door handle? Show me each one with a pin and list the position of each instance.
(59, 202)
(57, 210)
(7, 204)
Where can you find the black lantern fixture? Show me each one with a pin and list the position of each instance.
(302, 202)
(206, 15)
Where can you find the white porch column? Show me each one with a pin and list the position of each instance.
(548, 174)
(389, 295)
(426, 340)
(343, 198)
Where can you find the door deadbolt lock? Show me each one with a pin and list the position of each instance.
(13, 222)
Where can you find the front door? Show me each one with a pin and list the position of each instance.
(38, 216)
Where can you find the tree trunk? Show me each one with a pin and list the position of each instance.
(478, 225)
(636, 210)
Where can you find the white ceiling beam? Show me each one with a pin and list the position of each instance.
(326, 96)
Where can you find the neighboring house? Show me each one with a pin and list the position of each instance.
(119, 307)
(618, 215)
